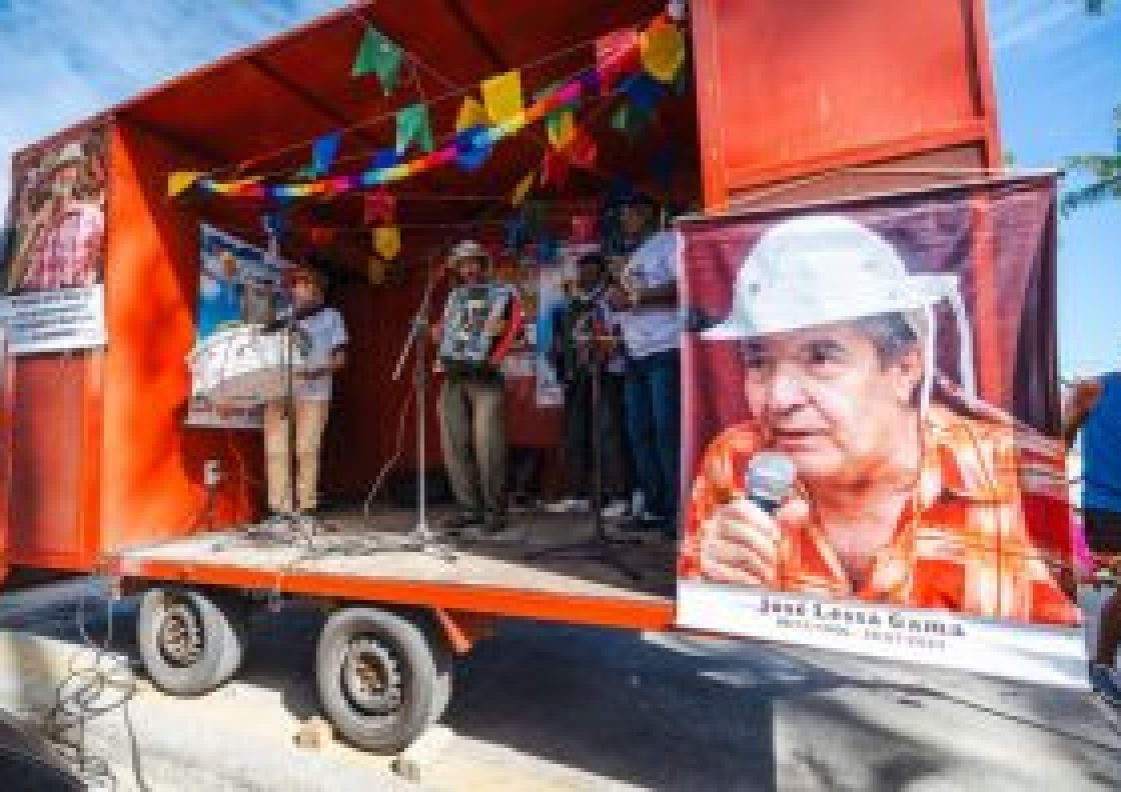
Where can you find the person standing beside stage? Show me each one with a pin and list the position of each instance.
(321, 328)
(472, 407)
(584, 351)
(1094, 407)
(646, 305)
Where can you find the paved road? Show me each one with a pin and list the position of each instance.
(547, 707)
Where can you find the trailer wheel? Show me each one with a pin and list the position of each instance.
(383, 677)
(191, 640)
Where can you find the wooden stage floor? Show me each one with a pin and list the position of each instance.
(357, 557)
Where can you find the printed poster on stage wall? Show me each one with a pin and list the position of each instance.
(870, 428)
(54, 256)
(239, 284)
(552, 292)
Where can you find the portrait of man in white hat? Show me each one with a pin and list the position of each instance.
(61, 220)
(901, 491)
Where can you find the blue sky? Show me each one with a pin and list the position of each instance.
(1058, 76)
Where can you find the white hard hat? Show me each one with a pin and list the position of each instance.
(820, 269)
(467, 248)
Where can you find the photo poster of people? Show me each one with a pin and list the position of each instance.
(553, 281)
(871, 452)
(239, 284)
(54, 254)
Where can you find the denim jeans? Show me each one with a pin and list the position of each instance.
(652, 399)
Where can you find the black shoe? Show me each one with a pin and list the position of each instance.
(458, 523)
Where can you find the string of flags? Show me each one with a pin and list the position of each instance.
(637, 65)
(640, 66)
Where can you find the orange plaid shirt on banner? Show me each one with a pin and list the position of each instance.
(962, 544)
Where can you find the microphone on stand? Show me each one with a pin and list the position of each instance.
(769, 480)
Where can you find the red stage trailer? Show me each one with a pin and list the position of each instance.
(792, 102)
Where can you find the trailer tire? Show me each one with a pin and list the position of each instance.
(383, 677)
(191, 640)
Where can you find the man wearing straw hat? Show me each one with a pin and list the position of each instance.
(902, 491)
(325, 334)
(472, 412)
(63, 244)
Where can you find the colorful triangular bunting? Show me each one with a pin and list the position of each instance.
(379, 208)
(387, 241)
(663, 50)
(323, 153)
(471, 113)
(413, 127)
(178, 182)
(472, 147)
(521, 190)
(502, 95)
(380, 55)
(617, 54)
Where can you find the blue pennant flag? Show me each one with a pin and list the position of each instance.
(643, 91)
(472, 147)
(324, 151)
(386, 158)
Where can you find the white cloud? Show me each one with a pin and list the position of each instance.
(1030, 22)
(65, 60)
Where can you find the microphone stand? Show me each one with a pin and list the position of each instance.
(422, 537)
(600, 547)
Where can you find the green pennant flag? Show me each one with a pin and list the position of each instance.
(413, 127)
(378, 54)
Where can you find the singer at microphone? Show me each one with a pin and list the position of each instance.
(851, 473)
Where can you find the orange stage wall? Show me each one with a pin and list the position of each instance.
(787, 93)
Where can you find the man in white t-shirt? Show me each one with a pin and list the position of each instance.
(647, 313)
(322, 328)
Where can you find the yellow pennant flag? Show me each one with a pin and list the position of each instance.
(518, 196)
(376, 271)
(387, 242)
(502, 95)
(471, 113)
(663, 50)
(561, 129)
(179, 182)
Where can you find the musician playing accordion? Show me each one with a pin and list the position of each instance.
(481, 319)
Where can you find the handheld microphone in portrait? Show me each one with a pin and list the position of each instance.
(769, 480)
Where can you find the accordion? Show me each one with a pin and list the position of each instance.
(465, 346)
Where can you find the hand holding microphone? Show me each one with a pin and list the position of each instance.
(740, 540)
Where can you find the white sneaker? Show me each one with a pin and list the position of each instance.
(615, 509)
(568, 506)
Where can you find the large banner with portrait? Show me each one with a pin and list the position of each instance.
(55, 252)
(240, 285)
(870, 442)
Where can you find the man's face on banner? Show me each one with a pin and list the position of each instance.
(827, 398)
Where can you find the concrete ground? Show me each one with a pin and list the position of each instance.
(549, 707)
